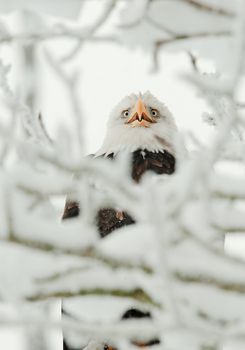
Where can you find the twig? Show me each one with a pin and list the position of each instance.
(205, 7)
(43, 128)
(182, 37)
(227, 286)
(212, 249)
(107, 11)
(126, 329)
(89, 253)
(136, 294)
(208, 8)
(71, 84)
(193, 59)
(158, 25)
(53, 35)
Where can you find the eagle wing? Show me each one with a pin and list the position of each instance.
(107, 219)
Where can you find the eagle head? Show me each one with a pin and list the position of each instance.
(139, 121)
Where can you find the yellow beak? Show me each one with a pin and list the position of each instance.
(139, 115)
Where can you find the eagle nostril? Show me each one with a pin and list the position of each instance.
(139, 117)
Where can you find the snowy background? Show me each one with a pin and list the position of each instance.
(72, 62)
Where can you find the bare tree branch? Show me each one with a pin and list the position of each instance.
(182, 37)
(209, 8)
(137, 294)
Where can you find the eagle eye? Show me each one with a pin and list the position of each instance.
(125, 113)
(154, 113)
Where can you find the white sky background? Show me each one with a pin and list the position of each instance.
(108, 73)
(111, 72)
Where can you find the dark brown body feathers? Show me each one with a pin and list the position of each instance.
(142, 161)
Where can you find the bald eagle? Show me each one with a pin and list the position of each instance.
(144, 127)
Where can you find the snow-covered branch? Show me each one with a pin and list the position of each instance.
(171, 263)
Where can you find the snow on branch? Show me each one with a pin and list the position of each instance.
(171, 262)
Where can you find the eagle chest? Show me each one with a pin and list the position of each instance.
(158, 162)
(107, 219)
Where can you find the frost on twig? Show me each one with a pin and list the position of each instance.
(171, 263)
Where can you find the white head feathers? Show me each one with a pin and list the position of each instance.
(139, 122)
